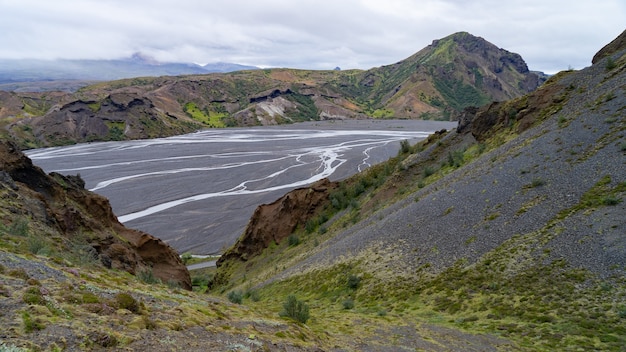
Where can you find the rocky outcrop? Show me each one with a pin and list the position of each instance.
(272, 223)
(521, 112)
(614, 46)
(60, 204)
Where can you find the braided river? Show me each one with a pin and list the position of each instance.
(198, 191)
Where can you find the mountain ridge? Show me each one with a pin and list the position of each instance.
(137, 65)
(437, 82)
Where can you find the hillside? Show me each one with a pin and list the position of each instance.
(512, 225)
(506, 234)
(435, 83)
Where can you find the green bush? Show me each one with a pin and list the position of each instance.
(36, 245)
(310, 225)
(148, 277)
(186, 257)
(610, 64)
(293, 240)
(295, 309)
(235, 296)
(348, 304)
(253, 295)
(611, 200)
(353, 282)
(405, 147)
(126, 301)
(537, 182)
(19, 227)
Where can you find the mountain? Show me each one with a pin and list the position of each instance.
(437, 82)
(453, 72)
(505, 234)
(38, 74)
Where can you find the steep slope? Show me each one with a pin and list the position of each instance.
(55, 214)
(445, 77)
(512, 224)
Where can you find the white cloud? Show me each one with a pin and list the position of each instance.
(316, 34)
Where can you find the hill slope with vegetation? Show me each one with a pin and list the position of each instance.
(506, 234)
(435, 83)
(511, 225)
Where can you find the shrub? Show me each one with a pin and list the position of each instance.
(537, 182)
(293, 240)
(611, 200)
(295, 309)
(19, 273)
(353, 282)
(33, 296)
(37, 245)
(405, 147)
(235, 296)
(253, 295)
(428, 171)
(148, 277)
(186, 257)
(19, 227)
(82, 254)
(348, 303)
(310, 225)
(126, 301)
(610, 64)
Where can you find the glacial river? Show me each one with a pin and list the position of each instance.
(197, 191)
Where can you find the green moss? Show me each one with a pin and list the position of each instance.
(306, 109)
(116, 130)
(207, 117)
(126, 301)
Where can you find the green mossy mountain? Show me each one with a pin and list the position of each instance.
(436, 83)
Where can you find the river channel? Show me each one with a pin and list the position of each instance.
(197, 191)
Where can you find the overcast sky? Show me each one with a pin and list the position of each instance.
(551, 35)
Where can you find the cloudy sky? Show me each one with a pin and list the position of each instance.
(551, 35)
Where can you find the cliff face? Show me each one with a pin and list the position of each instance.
(272, 223)
(56, 206)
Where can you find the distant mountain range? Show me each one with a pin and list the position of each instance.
(14, 73)
(437, 82)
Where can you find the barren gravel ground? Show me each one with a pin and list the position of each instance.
(472, 211)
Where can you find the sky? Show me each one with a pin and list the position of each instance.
(551, 35)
